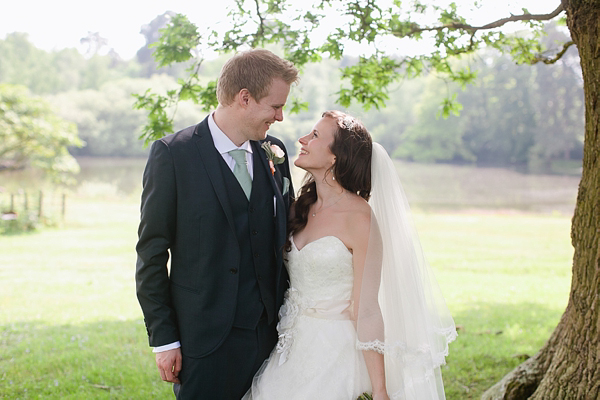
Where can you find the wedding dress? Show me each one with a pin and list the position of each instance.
(316, 356)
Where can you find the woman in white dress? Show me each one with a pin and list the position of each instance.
(363, 313)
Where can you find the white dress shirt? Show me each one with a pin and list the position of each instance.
(224, 145)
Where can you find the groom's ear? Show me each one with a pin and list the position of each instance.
(244, 97)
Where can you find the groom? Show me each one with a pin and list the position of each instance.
(215, 201)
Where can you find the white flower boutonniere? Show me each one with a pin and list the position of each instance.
(274, 154)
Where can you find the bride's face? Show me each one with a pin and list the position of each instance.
(315, 154)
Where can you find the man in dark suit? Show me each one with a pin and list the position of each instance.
(215, 200)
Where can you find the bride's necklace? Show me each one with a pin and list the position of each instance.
(314, 214)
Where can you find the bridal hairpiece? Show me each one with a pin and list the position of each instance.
(347, 122)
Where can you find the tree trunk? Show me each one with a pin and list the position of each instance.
(568, 366)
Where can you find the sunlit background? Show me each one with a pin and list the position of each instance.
(493, 191)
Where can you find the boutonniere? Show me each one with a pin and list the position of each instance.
(274, 154)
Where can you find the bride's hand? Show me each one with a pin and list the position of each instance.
(381, 396)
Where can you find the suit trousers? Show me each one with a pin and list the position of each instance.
(226, 373)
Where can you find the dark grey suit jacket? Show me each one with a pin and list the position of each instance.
(185, 211)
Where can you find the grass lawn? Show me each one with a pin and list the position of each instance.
(506, 280)
(71, 328)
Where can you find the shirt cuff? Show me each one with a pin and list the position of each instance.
(170, 346)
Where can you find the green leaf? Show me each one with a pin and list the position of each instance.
(449, 106)
(298, 106)
(177, 42)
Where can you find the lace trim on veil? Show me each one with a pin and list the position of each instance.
(417, 356)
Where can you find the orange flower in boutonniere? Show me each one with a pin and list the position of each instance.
(274, 154)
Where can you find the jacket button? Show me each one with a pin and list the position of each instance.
(233, 270)
(251, 209)
(256, 255)
(254, 233)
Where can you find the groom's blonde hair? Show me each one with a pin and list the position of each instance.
(253, 70)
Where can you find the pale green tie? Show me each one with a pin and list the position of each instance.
(241, 170)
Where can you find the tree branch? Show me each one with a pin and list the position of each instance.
(261, 27)
(496, 24)
(546, 60)
(523, 17)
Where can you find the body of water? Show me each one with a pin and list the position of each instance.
(429, 187)
(442, 186)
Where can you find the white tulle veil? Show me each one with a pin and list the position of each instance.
(401, 312)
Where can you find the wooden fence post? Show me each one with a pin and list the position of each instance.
(41, 202)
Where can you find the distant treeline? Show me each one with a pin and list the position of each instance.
(511, 115)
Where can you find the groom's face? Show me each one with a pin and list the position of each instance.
(260, 115)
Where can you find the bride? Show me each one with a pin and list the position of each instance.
(363, 312)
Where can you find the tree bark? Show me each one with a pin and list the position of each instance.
(568, 366)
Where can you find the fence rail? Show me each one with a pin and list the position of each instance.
(25, 210)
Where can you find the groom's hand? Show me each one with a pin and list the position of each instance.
(169, 365)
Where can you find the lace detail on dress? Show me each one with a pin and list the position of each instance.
(288, 314)
(312, 269)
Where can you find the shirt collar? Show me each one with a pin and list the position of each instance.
(222, 143)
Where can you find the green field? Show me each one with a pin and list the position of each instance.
(71, 327)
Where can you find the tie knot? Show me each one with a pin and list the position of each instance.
(239, 156)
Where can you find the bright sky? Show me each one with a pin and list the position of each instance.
(61, 23)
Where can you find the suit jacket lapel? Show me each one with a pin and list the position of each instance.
(281, 212)
(209, 157)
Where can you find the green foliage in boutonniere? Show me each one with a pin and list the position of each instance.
(274, 154)
(365, 396)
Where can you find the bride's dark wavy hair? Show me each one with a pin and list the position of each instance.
(352, 147)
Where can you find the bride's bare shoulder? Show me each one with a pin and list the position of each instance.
(358, 206)
(358, 219)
